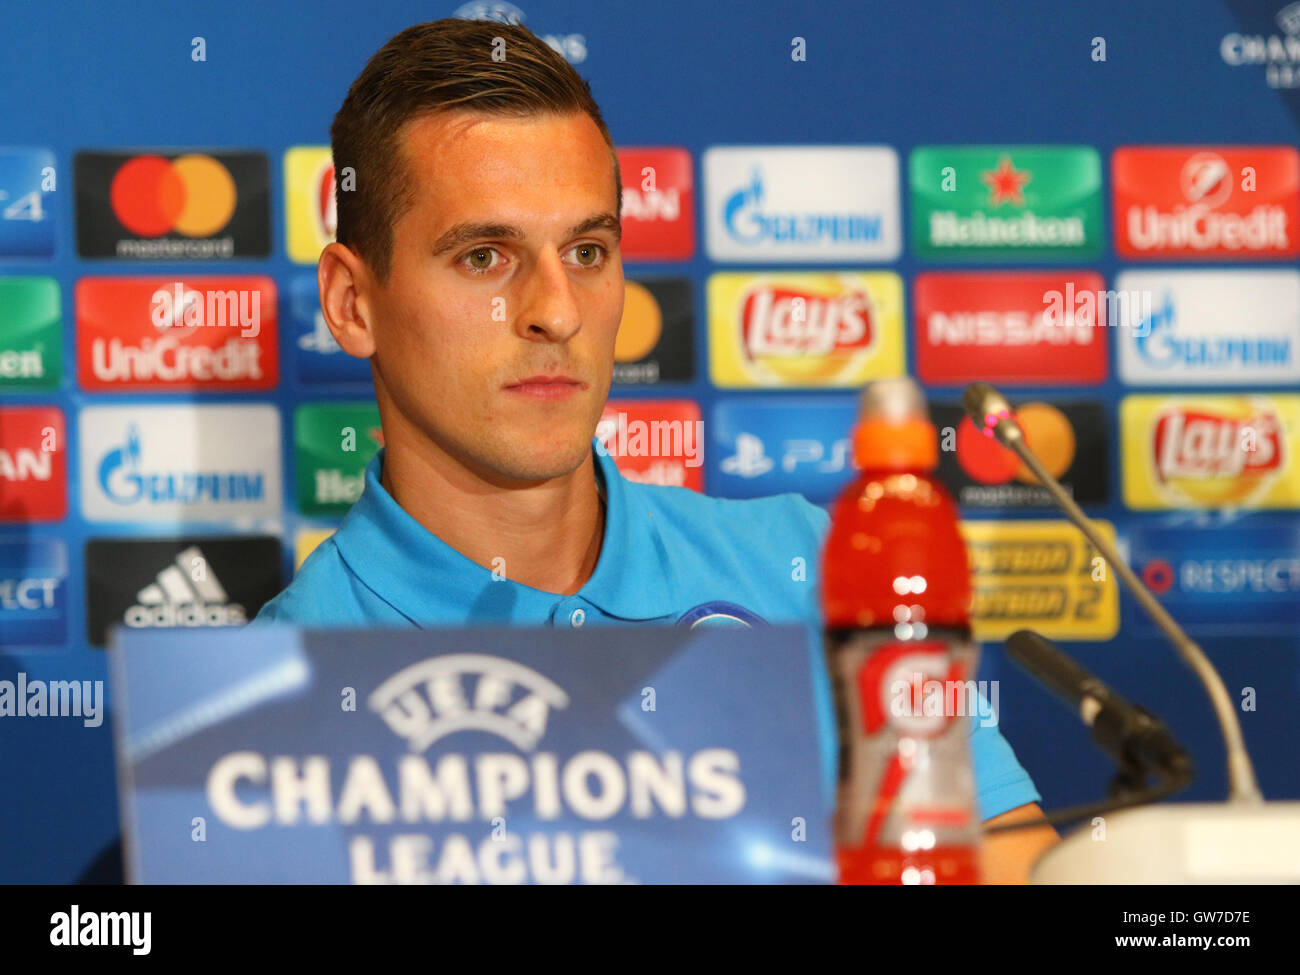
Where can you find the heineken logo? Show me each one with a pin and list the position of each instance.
(1006, 183)
(1006, 203)
(333, 443)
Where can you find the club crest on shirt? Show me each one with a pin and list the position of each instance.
(718, 613)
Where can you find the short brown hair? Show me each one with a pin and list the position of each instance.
(439, 66)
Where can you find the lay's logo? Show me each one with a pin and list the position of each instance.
(804, 329)
(1210, 451)
(311, 209)
(1197, 444)
(789, 322)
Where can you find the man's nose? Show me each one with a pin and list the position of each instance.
(548, 307)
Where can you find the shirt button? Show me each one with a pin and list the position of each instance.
(577, 617)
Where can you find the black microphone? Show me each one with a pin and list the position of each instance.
(1132, 736)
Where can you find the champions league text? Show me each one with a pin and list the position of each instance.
(589, 785)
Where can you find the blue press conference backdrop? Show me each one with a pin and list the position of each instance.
(87, 77)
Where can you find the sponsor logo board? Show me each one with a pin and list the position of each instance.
(172, 582)
(1213, 202)
(1213, 328)
(792, 204)
(804, 329)
(1040, 575)
(1210, 451)
(179, 463)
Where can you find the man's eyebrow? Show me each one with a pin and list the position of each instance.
(467, 233)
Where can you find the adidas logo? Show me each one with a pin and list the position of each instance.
(185, 593)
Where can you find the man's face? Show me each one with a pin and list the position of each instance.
(505, 267)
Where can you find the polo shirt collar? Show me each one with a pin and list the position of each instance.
(413, 570)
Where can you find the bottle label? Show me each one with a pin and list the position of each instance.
(906, 686)
(903, 707)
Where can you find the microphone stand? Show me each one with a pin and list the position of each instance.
(1243, 786)
(1243, 840)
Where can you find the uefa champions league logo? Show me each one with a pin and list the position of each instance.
(467, 691)
(502, 13)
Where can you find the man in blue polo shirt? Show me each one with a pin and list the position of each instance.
(477, 267)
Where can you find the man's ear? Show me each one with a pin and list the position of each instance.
(343, 279)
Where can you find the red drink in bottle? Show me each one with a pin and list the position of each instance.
(896, 598)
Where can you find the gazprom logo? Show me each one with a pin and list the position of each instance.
(748, 223)
(1161, 347)
(123, 482)
(1153, 335)
(466, 691)
(118, 468)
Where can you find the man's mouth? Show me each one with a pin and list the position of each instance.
(547, 387)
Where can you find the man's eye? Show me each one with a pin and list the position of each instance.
(480, 259)
(589, 255)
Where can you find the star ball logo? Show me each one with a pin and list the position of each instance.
(172, 206)
(1278, 54)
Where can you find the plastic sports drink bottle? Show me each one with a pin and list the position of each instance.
(896, 596)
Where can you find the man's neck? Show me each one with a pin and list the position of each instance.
(547, 536)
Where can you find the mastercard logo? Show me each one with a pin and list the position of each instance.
(191, 195)
(1047, 432)
(642, 324)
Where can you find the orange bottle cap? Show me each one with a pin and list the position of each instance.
(894, 429)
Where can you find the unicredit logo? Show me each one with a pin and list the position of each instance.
(1206, 179)
(168, 360)
(1213, 202)
(192, 195)
(1198, 228)
(203, 332)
